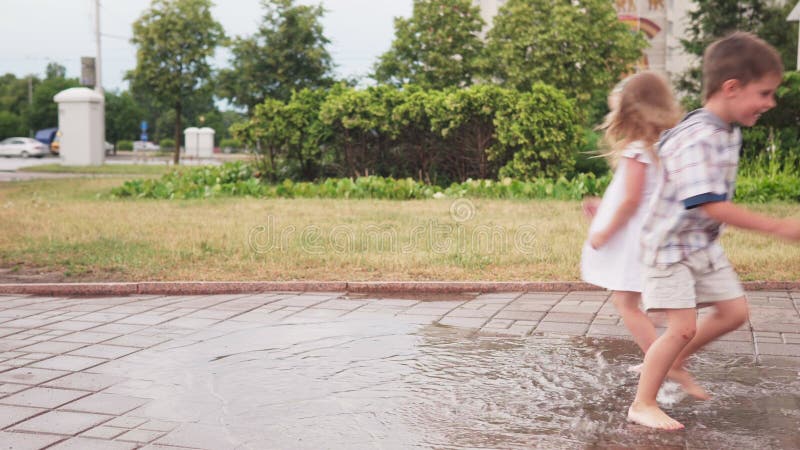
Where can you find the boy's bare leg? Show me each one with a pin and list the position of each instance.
(727, 316)
(659, 358)
(635, 320)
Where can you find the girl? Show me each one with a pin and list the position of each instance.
(641, 107)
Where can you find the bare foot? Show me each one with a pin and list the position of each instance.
(636, 368)
(653, 417)
(689, 385)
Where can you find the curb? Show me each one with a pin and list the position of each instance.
(227, 287)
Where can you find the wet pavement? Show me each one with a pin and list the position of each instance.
(332, 370)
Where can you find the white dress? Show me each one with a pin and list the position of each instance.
(617, 264)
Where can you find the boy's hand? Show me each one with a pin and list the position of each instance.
(590, 205)
(788, 229)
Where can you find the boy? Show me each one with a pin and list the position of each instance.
(685, 267)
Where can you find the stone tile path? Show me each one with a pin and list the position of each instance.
(71, 371)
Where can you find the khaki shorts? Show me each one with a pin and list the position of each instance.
(706, 276)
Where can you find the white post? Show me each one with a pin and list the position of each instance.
(794, 16)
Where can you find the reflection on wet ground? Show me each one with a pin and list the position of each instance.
(383, 383)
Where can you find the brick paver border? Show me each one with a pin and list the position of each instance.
(249, 287)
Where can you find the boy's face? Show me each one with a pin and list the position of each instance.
(749, 101)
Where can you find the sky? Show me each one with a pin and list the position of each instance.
(36, 32)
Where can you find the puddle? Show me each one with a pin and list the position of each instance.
(385, 384)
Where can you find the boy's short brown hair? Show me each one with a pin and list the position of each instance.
(740, 56)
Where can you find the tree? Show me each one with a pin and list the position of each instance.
(287, 53)
(14, 107)
(713, 19)
(44, 111)
(123, 116)
(174, 40)
(437, 47)
(577, 46)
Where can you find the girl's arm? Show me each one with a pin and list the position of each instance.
(635, 173)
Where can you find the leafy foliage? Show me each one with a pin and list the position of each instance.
(713, 19)
(437, 47)
(238, 179)
(577, 46)
(288, 52)
(174, 40)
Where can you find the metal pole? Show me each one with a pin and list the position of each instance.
(30, 99)
(97, 67)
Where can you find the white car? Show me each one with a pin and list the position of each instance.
(22, 146)
(145, 145)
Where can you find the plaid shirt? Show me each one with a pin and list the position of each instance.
(698, 162)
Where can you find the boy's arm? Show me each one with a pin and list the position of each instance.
(740, 217)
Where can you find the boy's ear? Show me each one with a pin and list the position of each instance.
(731, 86)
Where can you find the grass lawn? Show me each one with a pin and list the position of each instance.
(68, 230)
(110, 169)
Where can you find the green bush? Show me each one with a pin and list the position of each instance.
(125, 145)
(436, 135)
(231, 144)
(167, 144)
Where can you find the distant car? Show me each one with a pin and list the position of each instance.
(22, 146)
(109, 147)
(47, 136)
(145, 146)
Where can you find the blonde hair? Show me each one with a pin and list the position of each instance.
(738, 56)
(641, 107)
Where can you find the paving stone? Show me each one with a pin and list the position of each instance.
(82, 443)
(86, 381)
(10, 388)
(525, 306)
(25, 441)
(425, 312)
(198, 436)
(136, 341)
(104, 351)
(104, 432)
(42, 397)
(596, 329)
(499, 323)
(9, 331)
(52, 347)
(734, 347)
(738, 335)
(568, 317)
(13, 344)
(779, 349)
(70, 325)
(140, 436)
(86, 337)
(128, 422)
(563, 328)
(61, 422)
(159, 425)
(519, 315)
(118, 328)
(462, 322)
(65, 362)
(30, 375)
(103, 403)
(10, 415)
(471, 313)
(143, 319)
